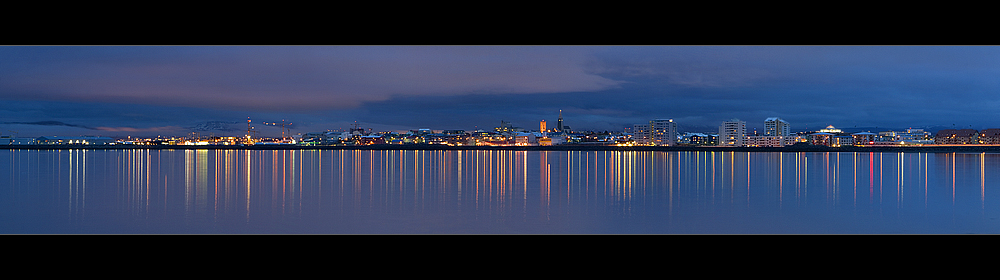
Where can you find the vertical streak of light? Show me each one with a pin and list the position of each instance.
(836, 179)
(871, 177)
(83, 185)
(799, 163)
(148, 182)
(781, 176)
(900, 189)
(722, 162)
(524, 165)
(460, 178)
(805, 178)
(881, 178)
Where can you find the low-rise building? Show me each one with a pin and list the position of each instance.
(7, 140)
(769, 141)
(821, 139)
(990, 136)
(864, 138)
(74, 140)
(957, 137)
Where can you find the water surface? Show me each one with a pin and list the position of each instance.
(574, 192)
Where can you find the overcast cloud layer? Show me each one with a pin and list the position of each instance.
(174, 90)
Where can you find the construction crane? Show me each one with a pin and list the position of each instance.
(282, 124)
(251, 133)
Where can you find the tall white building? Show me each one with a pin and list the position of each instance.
(663, 132)
(640, 134)
(733, 133)
(774, 126)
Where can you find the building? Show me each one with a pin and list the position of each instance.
(957, 137)
(990, 136)
(908, 137)
(526, 139)
(640, 134)
(81, 140)
(916, 136)
(768, 141)
(842, 139)
(559, 124)
(699, 139)
(831, 129)
(774, 126)
(7, 140)
(663, 132)
(822, 139)
(733, 133)
(864, 138)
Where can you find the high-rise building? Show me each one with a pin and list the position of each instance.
(663, 132)
(733, 133)
(541, 127)
(659, 132)
(774, 126)
(640, 134)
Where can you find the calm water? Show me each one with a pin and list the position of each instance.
(240, 191)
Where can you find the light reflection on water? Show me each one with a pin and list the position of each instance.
(345, 191)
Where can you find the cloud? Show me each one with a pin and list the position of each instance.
(50, 123)
(147, 129)
(288, 77)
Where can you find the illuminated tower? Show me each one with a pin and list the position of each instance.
(541, 127)
(249, 132)
(559, 126)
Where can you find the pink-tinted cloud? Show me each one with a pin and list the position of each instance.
(298, 77)
(146, 129)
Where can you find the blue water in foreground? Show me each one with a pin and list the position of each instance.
(496, 192)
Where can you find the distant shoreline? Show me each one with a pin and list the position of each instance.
(921, 149)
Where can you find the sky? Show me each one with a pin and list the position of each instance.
(142, 91)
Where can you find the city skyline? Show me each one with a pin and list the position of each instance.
(175, 90)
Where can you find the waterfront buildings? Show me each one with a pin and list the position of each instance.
(907, 137)
(990, 136)
(957, 137)
(777, 133)
(640, 134)
(81, 140)
(663, 132)
(699, 139)
(774, 126)
(821, 139)
(864, 138)
(8, 140)
(733, 133)
(658, 132)
(767, 141)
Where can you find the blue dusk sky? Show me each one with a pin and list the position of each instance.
(175, 90)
